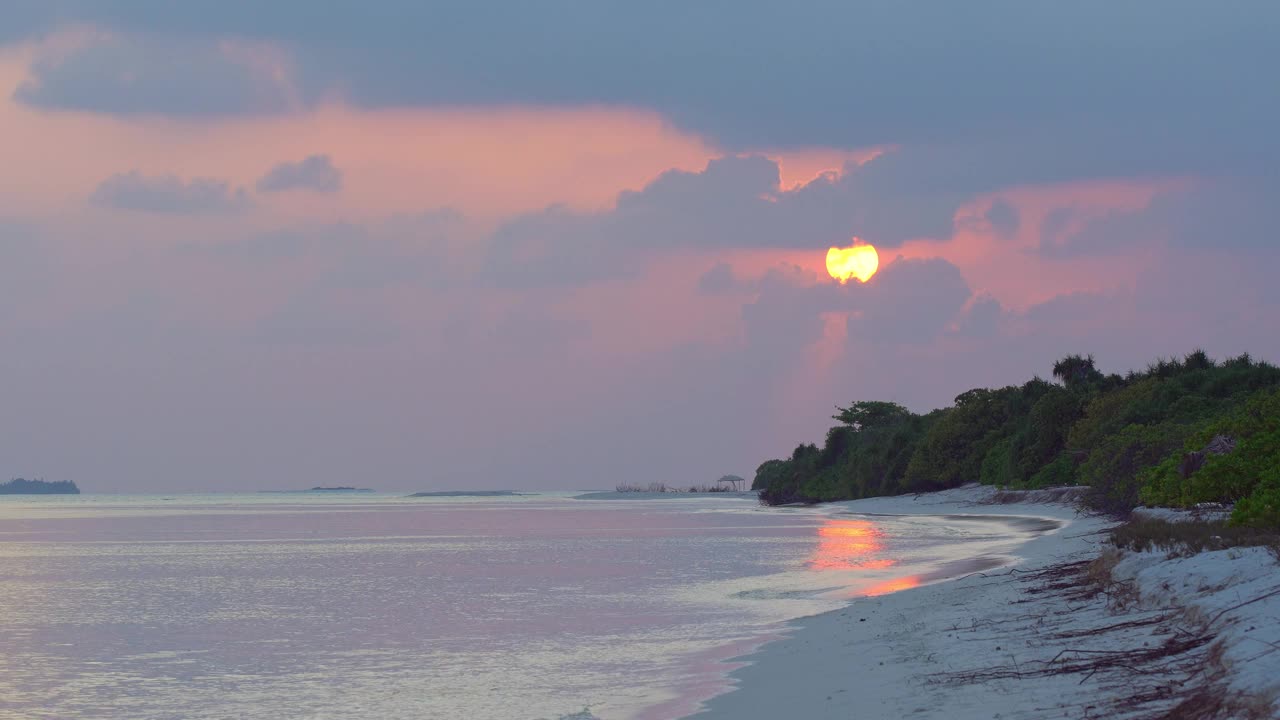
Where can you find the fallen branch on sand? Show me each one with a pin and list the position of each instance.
(1180, 676)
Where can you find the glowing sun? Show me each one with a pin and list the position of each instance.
(859, 260)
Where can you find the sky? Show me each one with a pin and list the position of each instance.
(575, 243)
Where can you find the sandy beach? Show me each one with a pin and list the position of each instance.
(1055, 634)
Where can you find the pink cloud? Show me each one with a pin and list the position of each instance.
(1011, 268)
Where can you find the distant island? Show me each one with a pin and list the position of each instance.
(319, 489)
(468, 493)
(19, 486)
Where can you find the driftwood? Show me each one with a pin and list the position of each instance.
(1193, 461)
(1167, 660)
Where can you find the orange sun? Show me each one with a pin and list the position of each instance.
(859, 260)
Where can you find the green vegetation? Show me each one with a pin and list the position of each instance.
(19, 486)
(1180, 433)
(1191, 537)
(1241, 464)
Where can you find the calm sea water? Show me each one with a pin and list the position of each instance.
(302, 606)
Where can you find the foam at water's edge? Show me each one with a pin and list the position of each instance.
(1033, 526)
(583, 714)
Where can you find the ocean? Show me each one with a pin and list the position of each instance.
(281, 606)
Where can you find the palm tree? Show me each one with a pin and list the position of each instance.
(1075, 370)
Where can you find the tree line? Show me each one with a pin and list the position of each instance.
(1184, 431)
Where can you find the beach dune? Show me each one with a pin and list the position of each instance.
(1034, 639)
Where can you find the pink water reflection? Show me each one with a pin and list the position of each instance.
(849, 545)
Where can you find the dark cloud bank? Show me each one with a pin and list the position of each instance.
(1105, 84)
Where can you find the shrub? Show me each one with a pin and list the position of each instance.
(1261, 509)
(1062, 471)
(1112, 468)
(1188, 538)
(1051, 419)
(1228, 477)
(769, 472)
(997, 466)
(1106, 414)
(952, 452)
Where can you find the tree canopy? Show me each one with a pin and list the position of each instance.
(1126, 437)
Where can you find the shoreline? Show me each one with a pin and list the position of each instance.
(1043, 636)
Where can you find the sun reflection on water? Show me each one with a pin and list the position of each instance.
(858, 545)
(890, 586)
(849, 545)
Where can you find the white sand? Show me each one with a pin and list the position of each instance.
(895, 656)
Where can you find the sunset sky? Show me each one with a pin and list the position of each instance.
(566, 244)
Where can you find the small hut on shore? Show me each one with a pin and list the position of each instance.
(733, 482)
